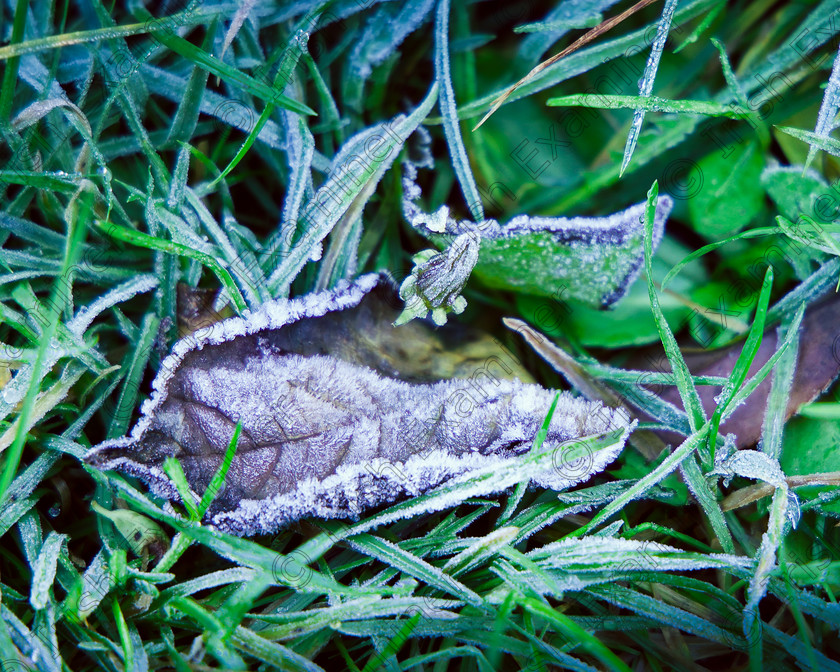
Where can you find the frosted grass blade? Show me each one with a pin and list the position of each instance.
(449, 110)
(646, 85)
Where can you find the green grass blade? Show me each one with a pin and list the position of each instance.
(685, 385)
(218, 479)
(651, 104)
(150, 242)
(449, 112)
(646, 84)
(744, 361)
(172, 468)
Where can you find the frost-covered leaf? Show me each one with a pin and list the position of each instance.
(593, 259)
(334, 423)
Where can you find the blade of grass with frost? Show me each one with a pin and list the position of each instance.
(77, 223)
(663, 411)
(646, 85)
(745, 359)
(669, 464)
(236, 22)
(246, 247)
(685, 384)
(393, 646)
(250, 277)
(45, 401)
(751, 233)
(573, 632)
(351, 184)
(341, 258)
(170, 86)
(780, 387)
(43, 570)
(770, 472)
(329, 108)
(729, 75)
(564, 17)
(707, 495)
(289, 60)
(822, 411)
(823, 142)
(299, 148)
(735, 86)
(801, 649)
(172, 468)
(384, 32)
(236, 78)
(664, 613)
(135, 362)
(825, 241)
(242, 551)
(144, 240)
(701, 27)
(813, 287)
(449, 111)
(186, 116)
(651, 104)
(85, 316)
(10, 72)
(828, 111)
(219, 477)
(124, 97)
(590, 21)
(499, 100)
(782, 59)
(612, 374)
(408, 563)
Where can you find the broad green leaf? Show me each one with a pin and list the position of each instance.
(591, 259)
(731, 196)
(629, 322)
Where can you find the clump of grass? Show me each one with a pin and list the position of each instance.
(211, 144)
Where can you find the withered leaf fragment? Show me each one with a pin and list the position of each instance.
(337, 414)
